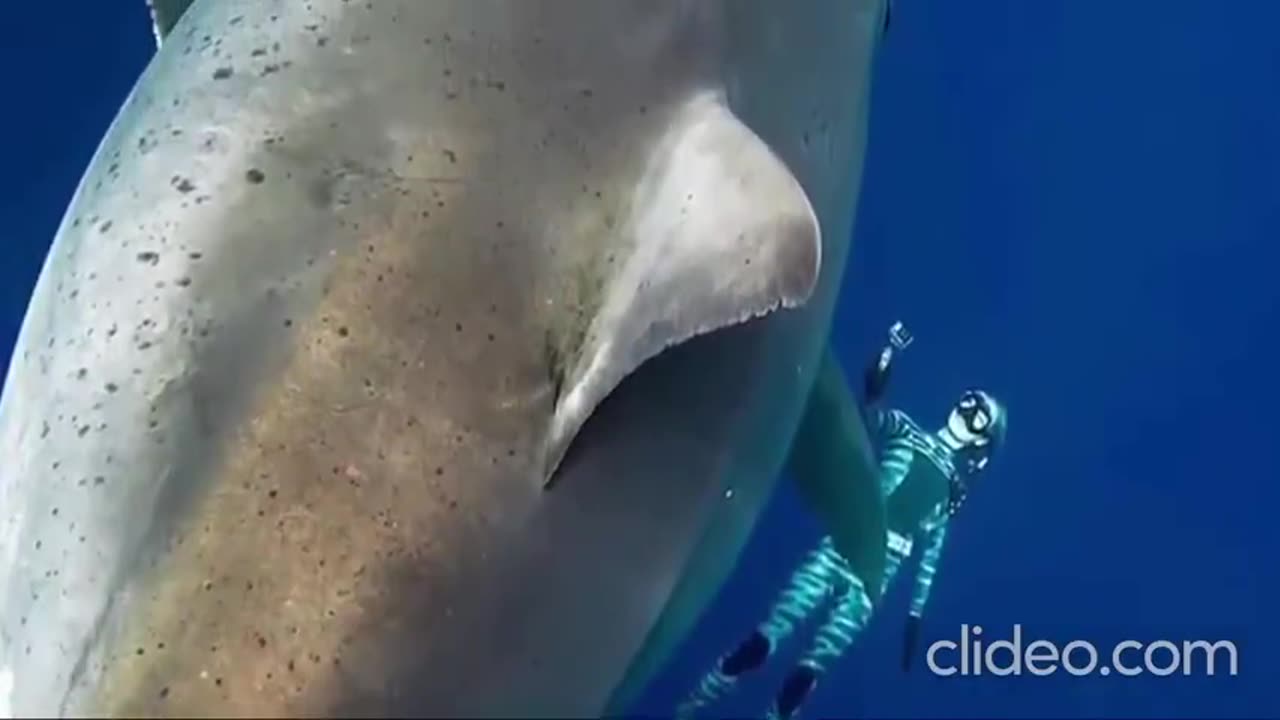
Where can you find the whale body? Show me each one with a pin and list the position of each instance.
(421, 358)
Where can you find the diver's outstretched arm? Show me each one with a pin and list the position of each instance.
(929, 560)
(876, 378)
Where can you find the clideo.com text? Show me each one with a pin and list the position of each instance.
(974, 653)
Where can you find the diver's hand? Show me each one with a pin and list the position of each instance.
(876, 377)
(899, 337)
(910, 639)
(886, 357)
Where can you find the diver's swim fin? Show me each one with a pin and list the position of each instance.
(835, 467)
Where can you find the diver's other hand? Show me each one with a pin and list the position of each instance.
(900, 338)
(910, 638)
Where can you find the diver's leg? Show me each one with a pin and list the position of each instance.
(849, 616)
(809, 585)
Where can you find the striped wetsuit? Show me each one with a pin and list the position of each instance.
(825, 576)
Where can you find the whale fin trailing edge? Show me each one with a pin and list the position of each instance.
(723, 233)
(164, 15)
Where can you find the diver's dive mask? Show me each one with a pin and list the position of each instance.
(977, 421)
(972, 418)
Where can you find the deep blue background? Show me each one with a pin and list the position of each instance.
(1073, 202)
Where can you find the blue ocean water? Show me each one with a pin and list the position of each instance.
(1073, 203)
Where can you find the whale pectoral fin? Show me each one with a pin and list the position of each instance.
(164, 15)
(720, 232)
(834, 466)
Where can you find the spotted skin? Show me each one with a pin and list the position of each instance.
(276, 429)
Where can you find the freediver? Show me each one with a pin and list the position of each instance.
(905, 457)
